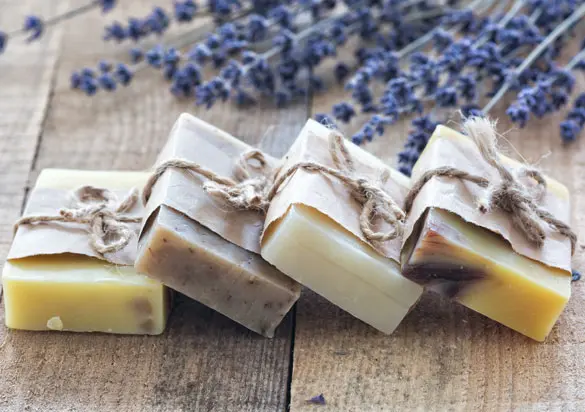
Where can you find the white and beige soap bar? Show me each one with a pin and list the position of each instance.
(70, 292)
(316, 250)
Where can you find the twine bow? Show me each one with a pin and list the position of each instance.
(510, 195)
(100, 210)
(375, 202)
(246, 192)
(256, 192)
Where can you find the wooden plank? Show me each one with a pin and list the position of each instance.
(445, 357)
(204, 362)
(27, 78)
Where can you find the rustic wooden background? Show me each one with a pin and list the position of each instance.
(442, 358)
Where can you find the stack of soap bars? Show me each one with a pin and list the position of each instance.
(240, 232)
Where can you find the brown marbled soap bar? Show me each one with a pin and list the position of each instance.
(196, 261)
(202, 249)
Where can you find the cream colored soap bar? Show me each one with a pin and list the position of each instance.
(476, 266)
(315, 250)
(78, 293)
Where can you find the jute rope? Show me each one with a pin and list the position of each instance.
(256, 193)
(100, 210)
(510, 194)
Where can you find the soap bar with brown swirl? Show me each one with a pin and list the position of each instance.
(451, 250)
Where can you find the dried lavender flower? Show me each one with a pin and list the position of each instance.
(34, 26)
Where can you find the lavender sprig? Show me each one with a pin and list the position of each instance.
(34, 26)
(562, 82)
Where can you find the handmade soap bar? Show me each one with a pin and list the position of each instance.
(201, 247)
(313, 235)
(56, 288)
(480, 260)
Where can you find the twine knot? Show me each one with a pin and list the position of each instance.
(255, 191)
(375, 202)
(246, 192)
(511, 194)
(99, 209)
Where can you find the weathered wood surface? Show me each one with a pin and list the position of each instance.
(204, 362)
(442, 358)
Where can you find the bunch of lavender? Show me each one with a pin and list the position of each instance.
(431, 57)
(136, 28)
(272, 56)
(485, 61)
(34, 26)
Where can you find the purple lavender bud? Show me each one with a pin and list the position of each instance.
(136, 55)
(519, 114)
(341, 71)
(155, 56)
(317, 400)
(257, 28)
(337, 33)
(219, 57)
(137, 29)
(200, 54)
(228, 31)
(406, 170)
(33, 25)
(281, 16)
(577, 114)
(471, 110)
(89, 85)
(284, 40)
(116, 32)
(232, 72)
(171, 56)
(570, 129)
(158, 21)
(575, 276)
(559, 98)
(192, 73)
(223, 8)
(106, 5)
(104, 66)
(107, 82)
(425, 124)
(564, 79)
(325, 120)
(343, 111)
(185, 10)
(213, 41)
(75, 80)
(123, 74)
(580, 101)
(467, 86)
(87, 72)
(442, 39)
(3, 41)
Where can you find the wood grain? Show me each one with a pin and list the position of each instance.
(204, 362)
(26, 82)
(445, 357)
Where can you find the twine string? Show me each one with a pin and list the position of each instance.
(256, 191)
(510, 194)
(102, 213)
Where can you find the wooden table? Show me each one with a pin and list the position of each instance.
(443, 357)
